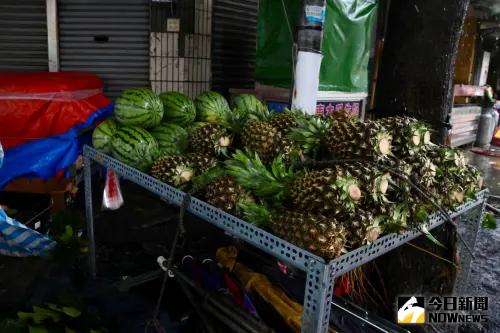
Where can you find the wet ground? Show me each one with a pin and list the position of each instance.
(484, 279)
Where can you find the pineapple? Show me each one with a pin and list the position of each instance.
(288, 149)
(174, 170)
(201, 162)
(319, 234)
(283, 122)
(261, 137)
(338, 116)
(209, 139)
(362, 226)
(374, 182)
(446, 158)
(327, 191)
(424, 171)
(355, 139)
(409, 135)
(225, 193)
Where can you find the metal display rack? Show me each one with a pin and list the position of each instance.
(321, 275)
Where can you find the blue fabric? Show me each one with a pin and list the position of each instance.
(44, 158)
(18, 240)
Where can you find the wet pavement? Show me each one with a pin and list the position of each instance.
(484, 279)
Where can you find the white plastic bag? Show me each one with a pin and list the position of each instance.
(112, 198)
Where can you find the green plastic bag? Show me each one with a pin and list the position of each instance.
(347, 41)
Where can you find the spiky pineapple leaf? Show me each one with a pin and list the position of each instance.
(236, 120)
(310, 133)
(249, 171)
(429, 236)
(256, 214)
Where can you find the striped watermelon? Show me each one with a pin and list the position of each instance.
(172, 139)
(211, 107)
(178, 108)
(101, 137)
(250, 104)
(134, 146)
(139, 107)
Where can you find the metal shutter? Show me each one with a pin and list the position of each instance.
(23, 35)
(234, 44)
(107, 37)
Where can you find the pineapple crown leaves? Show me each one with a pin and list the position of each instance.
(201, 181)
(256, 214)
(236, 120)
(249, 171)
(310, 133)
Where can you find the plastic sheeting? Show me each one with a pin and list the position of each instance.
(40, 105)
(44, 158)
(18, 240)
(347, 41)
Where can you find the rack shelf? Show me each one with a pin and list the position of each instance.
(321, 275)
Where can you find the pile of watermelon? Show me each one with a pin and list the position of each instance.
(146, 125)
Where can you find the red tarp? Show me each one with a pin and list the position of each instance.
(39, 105)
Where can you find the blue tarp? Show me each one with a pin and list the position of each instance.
(44, 158)
(18, 240)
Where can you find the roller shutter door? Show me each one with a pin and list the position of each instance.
(23, 35)
(107, 37)
(234, 44)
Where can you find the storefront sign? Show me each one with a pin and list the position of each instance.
(328, 107)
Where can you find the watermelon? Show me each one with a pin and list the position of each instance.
(134, 146)
(172, 139)
(250, 105)
(139, 107)
(211, 107)
(178, 108)
(101, 137)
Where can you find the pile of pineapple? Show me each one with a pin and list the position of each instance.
(328, 183)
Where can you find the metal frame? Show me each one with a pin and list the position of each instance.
(320, 274)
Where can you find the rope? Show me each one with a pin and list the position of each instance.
(432, 254)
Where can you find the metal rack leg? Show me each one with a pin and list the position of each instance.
(468, 227)
(89, 214)
(317, 298)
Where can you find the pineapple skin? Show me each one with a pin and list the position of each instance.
(362, 227)
(201, 162)
(319, 234)
(209, 139)
(283, 122)
(174, 170)
(321, 191)
(355, 139)
(225, 193)
(261, 137)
